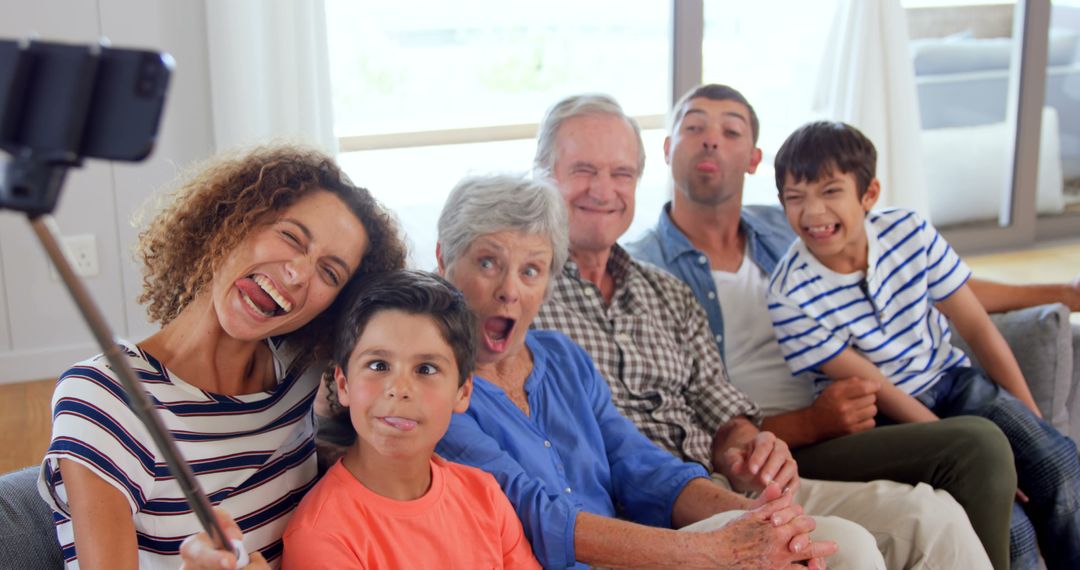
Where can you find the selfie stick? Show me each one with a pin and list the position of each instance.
(31, 184)
(46, 230)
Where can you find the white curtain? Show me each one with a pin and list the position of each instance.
(868, 80)
(269, 72)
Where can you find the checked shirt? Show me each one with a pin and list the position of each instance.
(654, 347)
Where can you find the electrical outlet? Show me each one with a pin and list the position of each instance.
(81, 251)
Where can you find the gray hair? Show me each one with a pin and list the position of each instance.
(481, 205)
(577, 106)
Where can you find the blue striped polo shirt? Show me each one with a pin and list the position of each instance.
(886, 313)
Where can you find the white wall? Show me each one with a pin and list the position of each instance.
(41, 332)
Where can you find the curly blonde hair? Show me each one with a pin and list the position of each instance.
(224, 201)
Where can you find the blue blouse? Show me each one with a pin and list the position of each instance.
(574, 453)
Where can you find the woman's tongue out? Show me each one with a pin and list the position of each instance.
(497, 333)
(255, 296)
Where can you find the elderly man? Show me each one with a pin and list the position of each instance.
(725, 253)
(650, 339)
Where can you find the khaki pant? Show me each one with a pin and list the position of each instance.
(883, 524)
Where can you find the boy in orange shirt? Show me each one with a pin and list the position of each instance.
(404, 353)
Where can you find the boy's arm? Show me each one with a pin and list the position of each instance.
(971, 322)
(892, 401)
(1000, 297)
(846, 406)
(901, 406)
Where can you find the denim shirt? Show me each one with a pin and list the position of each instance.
(768, 237)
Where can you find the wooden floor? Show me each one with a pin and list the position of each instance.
(25, 413)
(25, 420)
(1047, 264)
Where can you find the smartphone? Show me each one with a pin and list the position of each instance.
(81, 101)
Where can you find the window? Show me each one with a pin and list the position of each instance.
(774, 62)
(426, 92)
(962, 57)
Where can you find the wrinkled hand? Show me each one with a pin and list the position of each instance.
(199, 553)
(764, 459)
(775, 534)
(846, 406)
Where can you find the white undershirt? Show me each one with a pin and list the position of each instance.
(753, 358)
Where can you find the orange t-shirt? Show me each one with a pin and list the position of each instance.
(463, 521)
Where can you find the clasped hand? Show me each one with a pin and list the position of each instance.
(773, 534)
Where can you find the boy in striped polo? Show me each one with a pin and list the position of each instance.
(867, 294)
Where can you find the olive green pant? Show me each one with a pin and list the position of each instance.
(967, 456)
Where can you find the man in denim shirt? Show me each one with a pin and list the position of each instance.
(704, 237)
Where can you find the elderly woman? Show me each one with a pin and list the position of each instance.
(542, 421)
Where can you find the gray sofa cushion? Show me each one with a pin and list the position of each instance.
(27, 533)
(1074, 400)
(1042, 339)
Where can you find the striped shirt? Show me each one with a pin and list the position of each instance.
(886, 314)
(253, 454)
(653, 345)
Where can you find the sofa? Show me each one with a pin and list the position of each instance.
(27, 534)
(1047, 345)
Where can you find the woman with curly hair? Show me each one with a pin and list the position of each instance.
(242, 271)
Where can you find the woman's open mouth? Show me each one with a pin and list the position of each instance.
(497, 333)
(259, 292)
